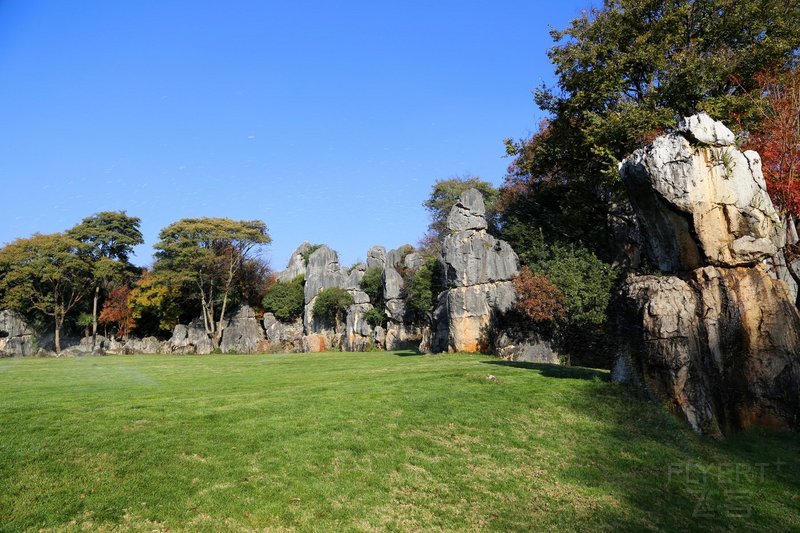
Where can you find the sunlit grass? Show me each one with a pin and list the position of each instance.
(366, 442)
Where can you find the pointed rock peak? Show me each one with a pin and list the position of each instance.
(468, 212)
(703, 129)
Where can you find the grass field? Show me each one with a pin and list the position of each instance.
(371, 441)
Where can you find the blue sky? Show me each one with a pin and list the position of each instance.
(330, 121)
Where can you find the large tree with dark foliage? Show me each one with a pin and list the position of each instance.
(626, 72)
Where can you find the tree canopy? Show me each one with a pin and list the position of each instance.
(204, 256)
(49, 274)
(109, 238)
(627, 72)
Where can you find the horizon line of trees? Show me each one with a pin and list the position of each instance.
(83, 276)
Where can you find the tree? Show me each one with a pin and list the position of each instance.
(627, 72)
(117, 311)
(331, 304)
(47, 273)
(286, 299)
(110, 237)
(155, 305)
(204, 256)
(538, 298)
(444, 195)
(777, 139)
(423, 286)
(372, 284)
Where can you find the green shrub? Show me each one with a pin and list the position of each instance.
(372, 284)
(285, 299)
(424, 285)
(585, 280)
(331, 303)
(375, 317)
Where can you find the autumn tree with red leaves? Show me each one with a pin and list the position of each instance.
(116, 311)
(777, 139)
(538, 298)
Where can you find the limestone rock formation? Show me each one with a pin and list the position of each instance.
(702, 204)
(243, 333)
(190, 339)
(297, 263)
(376, 257)
(719, 339)
(287, 337)
(147, 345)
(478, 269)
(720, 347)
(468, 213)
(17, 338)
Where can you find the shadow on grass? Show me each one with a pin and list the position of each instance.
(555, 371)
(408, 353)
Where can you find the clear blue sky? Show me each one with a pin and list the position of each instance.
(330, 121)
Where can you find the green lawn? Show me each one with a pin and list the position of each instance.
(370, 441)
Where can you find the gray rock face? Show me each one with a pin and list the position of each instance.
(721, 347)
(190, 339)
(478, 270)
(296, 265)
(701, 205)
(147, 345)
(281, 336)
(474, 258)
(703, 129)
(529, 349)
(376, 257)
(17, 338)
(720, 340)
(358, 333)
(469, 213)
(243, 333)
(102, 346)
(323, 272)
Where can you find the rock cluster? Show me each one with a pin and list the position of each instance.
(718, 336)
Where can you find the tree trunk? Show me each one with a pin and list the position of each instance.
(57, 337)
(94, 315)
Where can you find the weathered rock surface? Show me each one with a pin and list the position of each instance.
(719, 341)
(243, 333)
(190, 339)
(323, 272)
(478, 269)
(17, 338)
(702, 129)
(475, 257)
(282, 336)
(701, 204)
(721, 347)
(376, 257)
(297, 264)
(468, 213)
(147, 345)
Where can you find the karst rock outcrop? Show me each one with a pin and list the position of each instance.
(16, 336)
(478, 270)
(716, 336)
